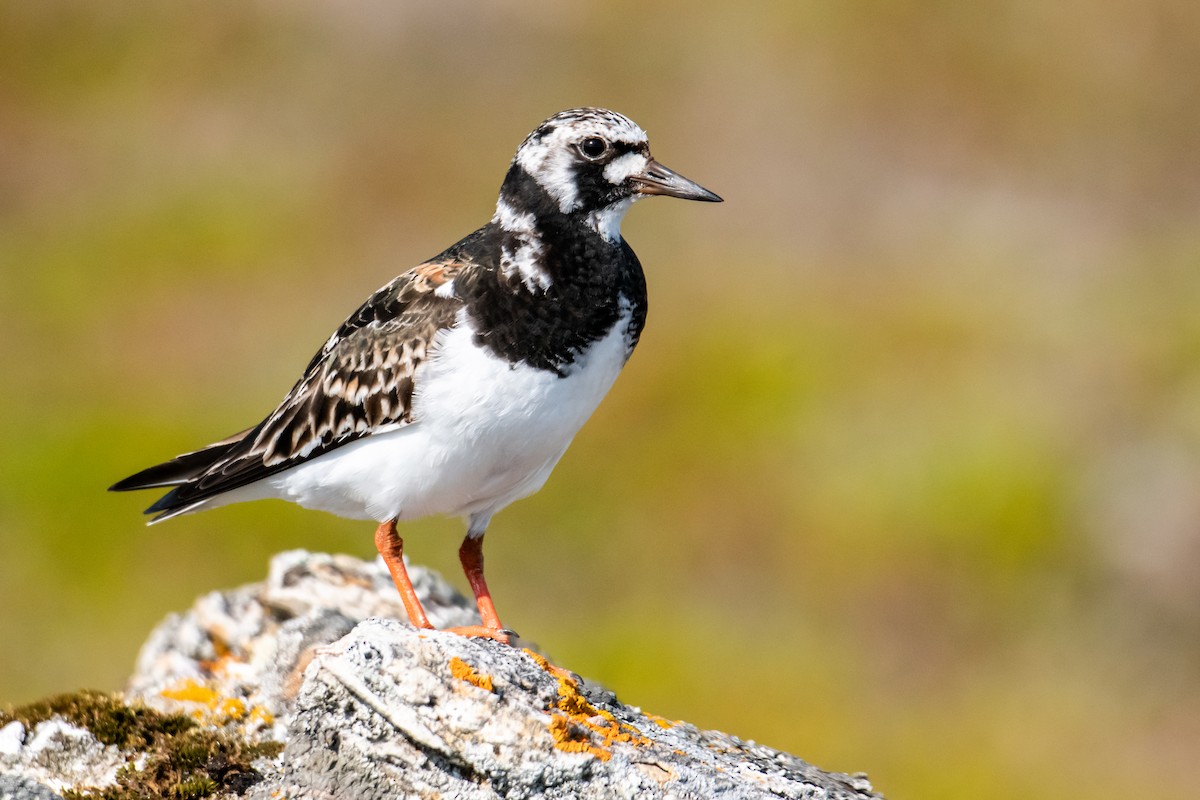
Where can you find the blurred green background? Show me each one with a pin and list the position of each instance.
(905, 475)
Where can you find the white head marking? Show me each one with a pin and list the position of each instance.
(521, 256)
(548, 154)
(512, 220)
(621, 167)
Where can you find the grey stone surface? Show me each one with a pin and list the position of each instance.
(368, 707)
(15, 787)
(56, 755)
(389, 712)
(237, 657)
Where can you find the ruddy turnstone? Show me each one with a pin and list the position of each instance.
(457, 387)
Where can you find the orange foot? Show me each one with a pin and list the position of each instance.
(391, 547)
(501, 635)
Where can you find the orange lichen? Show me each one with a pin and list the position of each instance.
(262, 716)
(231, 708)
(661, 722)
(191, 692)
(222, 653)
(574, 722)
(573, 739)
(214, 707)
(464, 672)
(541, 661)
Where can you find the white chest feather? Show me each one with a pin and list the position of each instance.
(484, 433)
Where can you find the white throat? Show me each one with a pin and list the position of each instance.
(607, 221)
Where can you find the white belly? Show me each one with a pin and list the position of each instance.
(485, 433)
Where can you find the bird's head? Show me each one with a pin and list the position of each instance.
(593, 163)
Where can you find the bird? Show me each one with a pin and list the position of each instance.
(455, 388)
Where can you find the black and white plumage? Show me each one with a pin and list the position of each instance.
(456, 387)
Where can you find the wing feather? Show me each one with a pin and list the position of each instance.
(361, 381)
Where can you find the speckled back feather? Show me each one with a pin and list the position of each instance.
(360, 382)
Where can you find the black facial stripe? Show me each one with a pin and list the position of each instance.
(524, 194)
(595, 192)
(621, 148)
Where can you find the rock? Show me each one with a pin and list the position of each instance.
(14, 787)
(239, 656)
(367, 707)
(12, 739)
(389, 711)
(55, 755)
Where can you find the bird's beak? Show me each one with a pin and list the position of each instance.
(657, 179)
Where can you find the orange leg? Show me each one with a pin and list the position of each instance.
(391, 547)
(471, 556)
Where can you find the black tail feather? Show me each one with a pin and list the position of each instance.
(180, 469)
(164, 505)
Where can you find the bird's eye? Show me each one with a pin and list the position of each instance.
(593, 147)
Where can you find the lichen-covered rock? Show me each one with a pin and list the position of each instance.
(16, 787)
(237, 657)
(56, 754)
(389, 711)
(94, 744)
(365, 706)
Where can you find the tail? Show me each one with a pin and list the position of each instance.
(177, 472)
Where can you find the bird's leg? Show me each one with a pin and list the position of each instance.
(391, 547)
(471, 556)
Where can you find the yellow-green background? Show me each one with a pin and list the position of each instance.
(905, 475)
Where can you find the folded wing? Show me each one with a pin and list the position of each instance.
(360, 383)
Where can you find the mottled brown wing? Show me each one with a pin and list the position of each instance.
(363, 384)
(360, 382)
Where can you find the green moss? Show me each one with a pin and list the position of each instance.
(106, 716)
(184, 761)
(194, 788)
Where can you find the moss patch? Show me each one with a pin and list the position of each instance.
(106, 716)
(184, 761)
